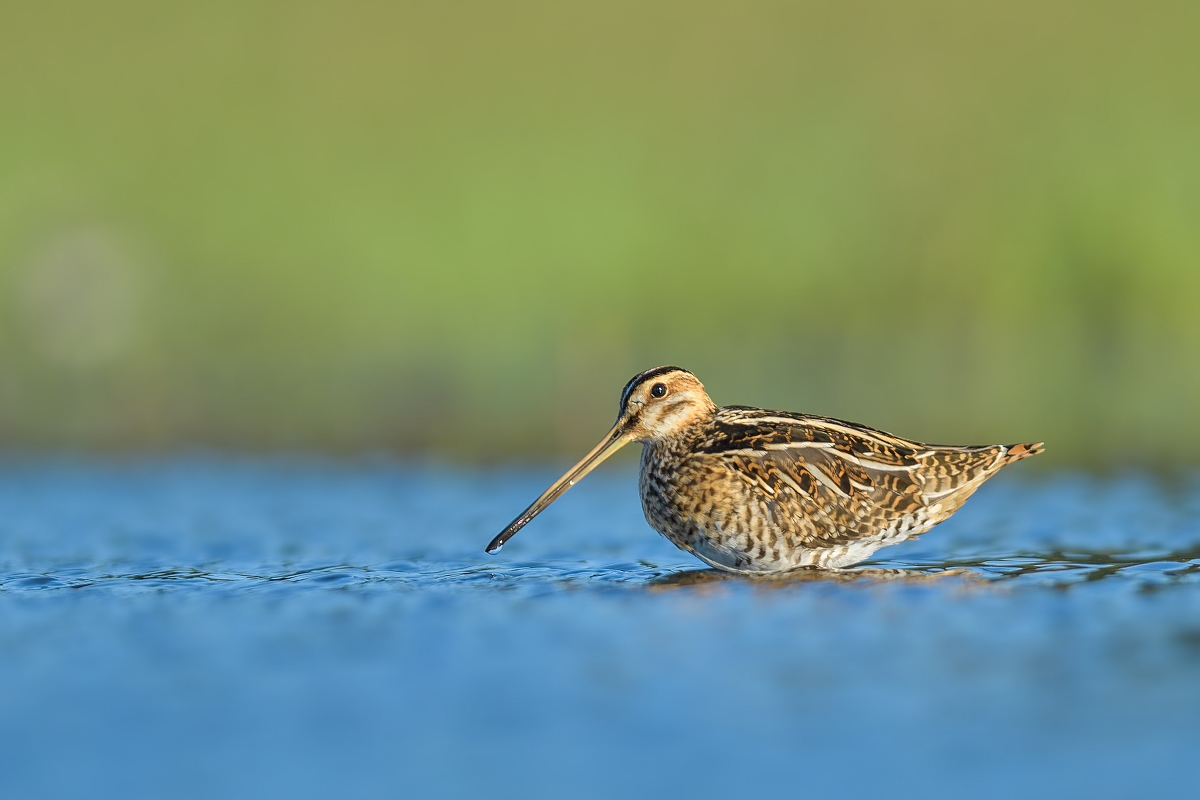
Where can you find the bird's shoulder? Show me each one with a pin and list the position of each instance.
(850, 459)
(747, 430)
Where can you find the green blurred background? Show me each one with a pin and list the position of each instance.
(457, 228)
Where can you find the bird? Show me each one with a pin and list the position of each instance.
(753, 491)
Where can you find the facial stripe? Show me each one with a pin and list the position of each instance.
(641, 378)
(678, 404)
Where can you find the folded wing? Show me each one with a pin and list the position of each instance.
(835, 482)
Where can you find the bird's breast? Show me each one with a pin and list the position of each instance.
(685, 496)
(660, 483)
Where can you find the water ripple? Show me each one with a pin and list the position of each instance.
(250, 627)
(1060, 570)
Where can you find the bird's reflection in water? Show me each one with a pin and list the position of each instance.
(867, 575)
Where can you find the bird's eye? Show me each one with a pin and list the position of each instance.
(658, 390)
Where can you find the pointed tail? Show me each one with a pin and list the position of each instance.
(1015, 452)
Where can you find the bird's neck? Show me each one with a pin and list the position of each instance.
(681, 441)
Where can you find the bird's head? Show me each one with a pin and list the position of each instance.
(656, 404)
(661, 403)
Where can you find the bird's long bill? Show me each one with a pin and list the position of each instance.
(613, 441)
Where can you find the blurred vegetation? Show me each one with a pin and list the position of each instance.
(459, 227)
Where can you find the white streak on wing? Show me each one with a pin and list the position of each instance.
(820, 475)
(758, 451)
(789, 421)
(926, 496)
(853, 459)
(766, 487)
(800, 422)
(799, 446)
(783, 476)
(786, 478)
(867, 464)
(883, 438)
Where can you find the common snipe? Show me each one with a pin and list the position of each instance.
(749, 490)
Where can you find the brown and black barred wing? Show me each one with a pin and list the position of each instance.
(833, 482)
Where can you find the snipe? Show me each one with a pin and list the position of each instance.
(749, 490)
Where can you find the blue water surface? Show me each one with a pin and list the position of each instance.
(236, 627)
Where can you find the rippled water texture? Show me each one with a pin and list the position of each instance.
(229, 627)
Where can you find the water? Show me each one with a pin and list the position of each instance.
(235, 627)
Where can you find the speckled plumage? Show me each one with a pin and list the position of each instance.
(764, 491)
(755, 491)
